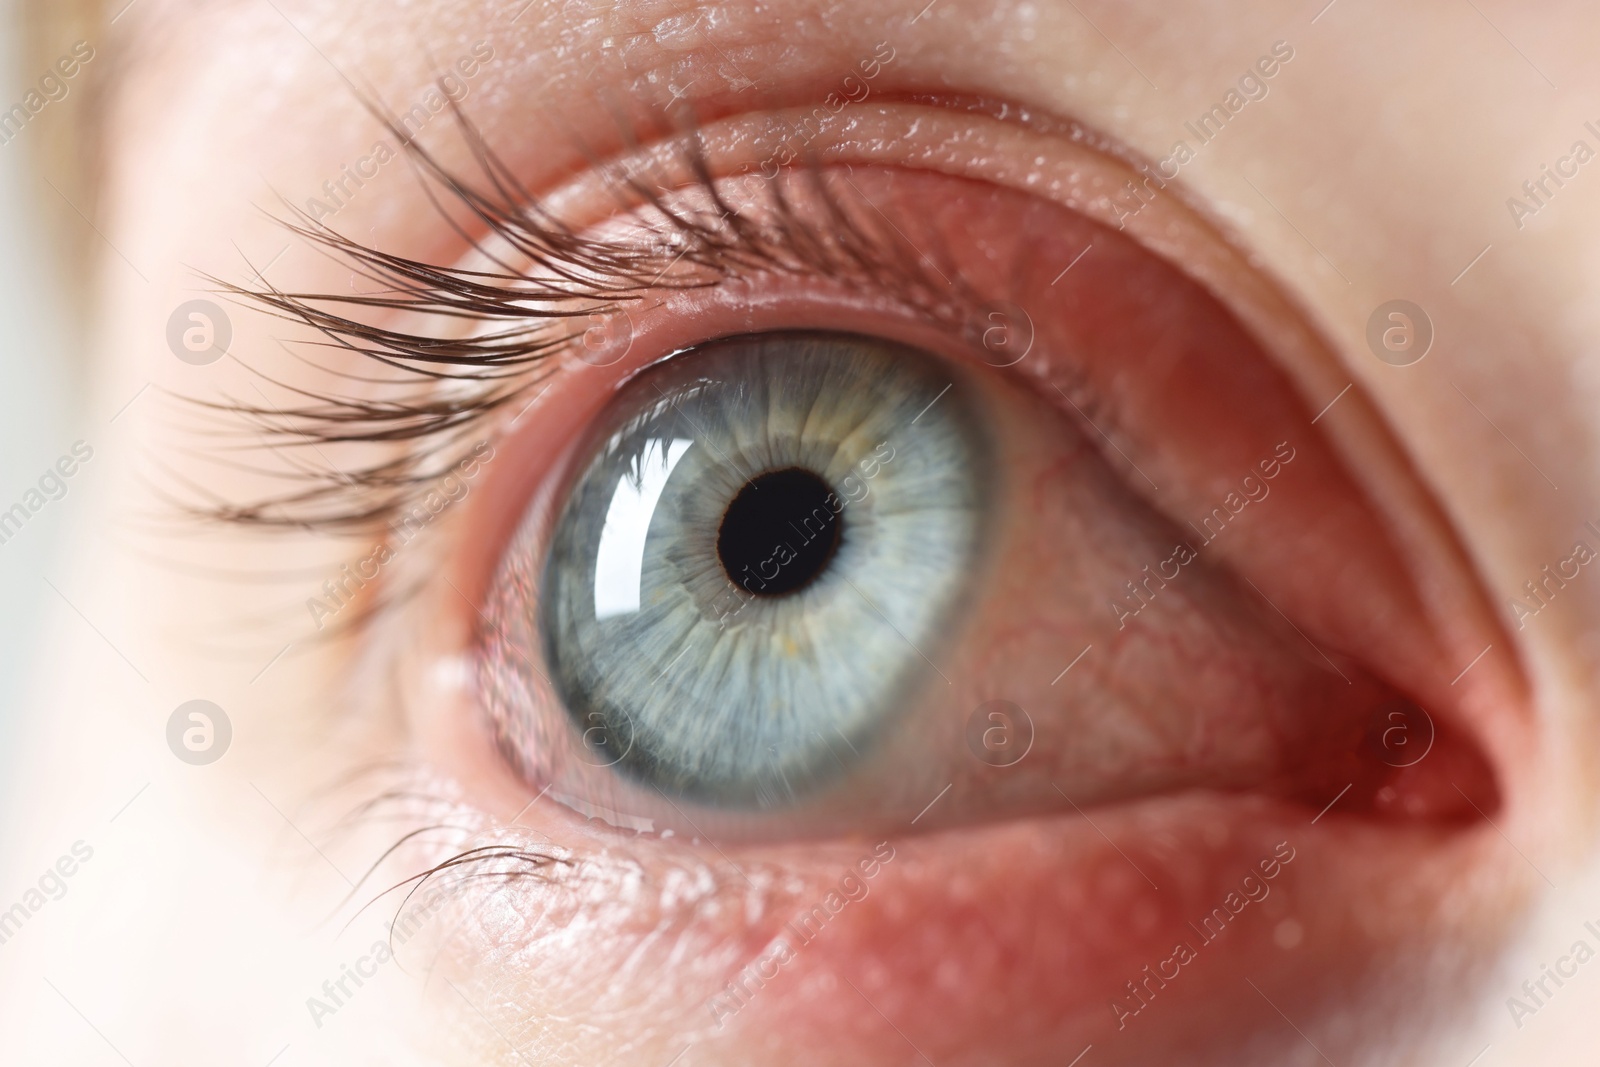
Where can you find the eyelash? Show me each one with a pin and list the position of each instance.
(499, 369)
(532, 314)
(407, 794)
(573, 277)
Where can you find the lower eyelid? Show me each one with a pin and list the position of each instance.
(1003, 935)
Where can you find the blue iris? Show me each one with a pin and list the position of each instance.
(757, 557)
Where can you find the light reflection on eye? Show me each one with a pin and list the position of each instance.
(619, 558)
(746, 568)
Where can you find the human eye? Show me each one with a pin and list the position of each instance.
(756, 474)
(879, 535)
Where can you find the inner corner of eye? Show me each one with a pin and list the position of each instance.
(763, 538)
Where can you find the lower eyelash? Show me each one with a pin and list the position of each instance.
(468, 851)
(465, 885)
(446, 388)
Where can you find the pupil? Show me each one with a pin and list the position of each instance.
(775, 514)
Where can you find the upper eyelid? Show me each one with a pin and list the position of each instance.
(505, 362)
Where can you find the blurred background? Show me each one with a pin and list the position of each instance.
(41, 359)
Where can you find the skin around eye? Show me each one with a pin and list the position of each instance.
(1143, 419)
(1204, 927)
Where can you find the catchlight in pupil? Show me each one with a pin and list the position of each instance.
(789, 507)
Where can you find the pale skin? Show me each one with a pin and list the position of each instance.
(1377, 167)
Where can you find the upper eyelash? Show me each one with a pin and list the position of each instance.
(573, 275)
(500, 368)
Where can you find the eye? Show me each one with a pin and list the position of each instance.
(767, 581)
(893, 521)
(765, 532)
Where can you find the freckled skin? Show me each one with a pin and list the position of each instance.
(201, 927)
